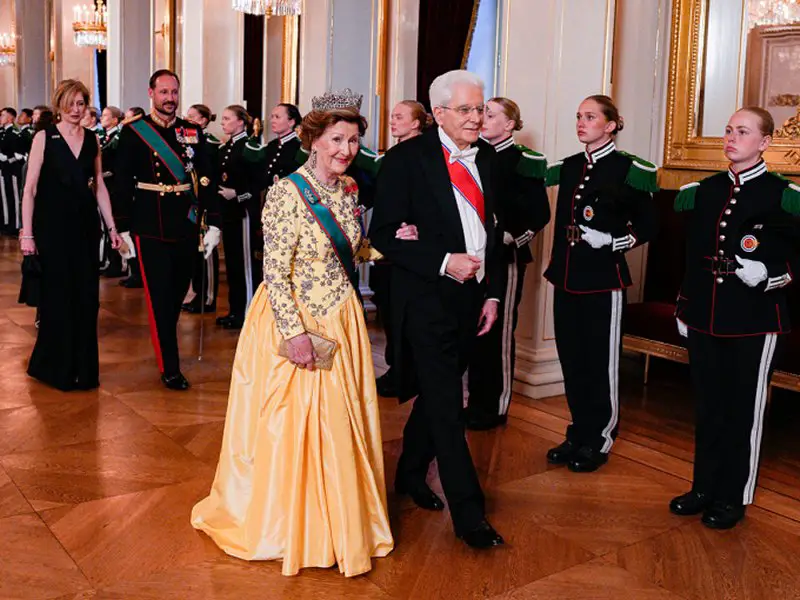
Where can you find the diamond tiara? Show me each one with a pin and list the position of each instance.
(333, 100)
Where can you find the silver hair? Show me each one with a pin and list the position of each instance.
(441, 90)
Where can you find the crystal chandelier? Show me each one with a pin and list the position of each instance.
(8, 50)
(772, 12)
(90, 25)
(269, 8)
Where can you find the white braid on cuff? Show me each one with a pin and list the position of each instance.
(625, 242)
(525, 238)
(774, 283)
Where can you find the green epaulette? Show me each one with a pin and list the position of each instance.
(253, 151)
(367, 160)
(553, 176)
(301, 156)
(685, 198)
(642, 175)
(212, 139)
(531, 164)
(790, 199)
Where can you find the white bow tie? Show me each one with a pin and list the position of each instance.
(468, 155)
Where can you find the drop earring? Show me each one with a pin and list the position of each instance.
(312, 161)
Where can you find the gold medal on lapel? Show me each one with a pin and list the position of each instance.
(224, 177)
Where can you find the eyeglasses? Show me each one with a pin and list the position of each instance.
(465, 111)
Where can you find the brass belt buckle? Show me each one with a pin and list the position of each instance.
(573, 234)
(169, 188)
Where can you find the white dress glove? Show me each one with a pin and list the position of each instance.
(227, 193)
(210, 240)
(752, 272)
(596, 239)
(682, 328)
(127, 250)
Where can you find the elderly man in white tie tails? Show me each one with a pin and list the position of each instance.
(443, 290)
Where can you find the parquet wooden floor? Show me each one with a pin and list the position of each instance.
(96, 490)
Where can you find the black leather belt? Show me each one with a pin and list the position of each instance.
(573, 233)
(721, 267)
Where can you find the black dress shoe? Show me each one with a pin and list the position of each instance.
(421, 494)
(193, 308)
(222, 320)
(481, 537)
(484, 422)
(561, 454)
(175, 382)
(586, 460)
(235, 323)
(387, 385)
(132, 283)
(691, 503)
(723, 516)
(112, 272)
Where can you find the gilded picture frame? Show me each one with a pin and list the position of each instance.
(686, 154)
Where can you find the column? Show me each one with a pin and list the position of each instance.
(402, 63)
(554, 54)
(129, 39)
(192, 52)
(223, 30)
(33, 75)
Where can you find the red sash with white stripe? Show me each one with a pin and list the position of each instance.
(465, 183)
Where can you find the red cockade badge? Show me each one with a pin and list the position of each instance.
(351, 188)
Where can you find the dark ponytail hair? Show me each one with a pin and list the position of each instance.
(610, 111)
(242, 114)
(293, 112)
(205, 112)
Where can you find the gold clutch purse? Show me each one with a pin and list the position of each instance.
(324, 348)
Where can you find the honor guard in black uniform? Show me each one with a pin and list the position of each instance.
(239, 186)
(9, 171)
(111, 260)
(741, 253)
(524, 212)
(280, 153)
(604, 209)
(205, 272)
(163, 183)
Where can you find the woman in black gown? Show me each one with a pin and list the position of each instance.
(60, 222)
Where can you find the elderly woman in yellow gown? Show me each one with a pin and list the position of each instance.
(300, 476)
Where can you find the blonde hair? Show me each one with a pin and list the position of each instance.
(66, 91)
(510, 110)
(418, 114)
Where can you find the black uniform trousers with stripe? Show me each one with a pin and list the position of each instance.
(243, 269)
(491, 369)
(205, 277)
(12, 197)
(379, 280)
(730, 377)
(166, 269)
(588, 330)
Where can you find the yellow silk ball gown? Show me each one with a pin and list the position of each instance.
(300, 475)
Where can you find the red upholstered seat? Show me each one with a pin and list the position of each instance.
(653, 321)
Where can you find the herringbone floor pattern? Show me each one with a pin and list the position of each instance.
(96, 490)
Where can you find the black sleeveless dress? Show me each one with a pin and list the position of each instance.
(67, 230)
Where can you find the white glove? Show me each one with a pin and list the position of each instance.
(210, 240)
(128, 250)
(752, 272)
(596, 239)
(227, 193)
(682, 329)
(508, 239)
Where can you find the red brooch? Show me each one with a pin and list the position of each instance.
(351, 188)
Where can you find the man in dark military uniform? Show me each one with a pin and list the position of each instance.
(163, 184)
(9, 184)
(110, 120)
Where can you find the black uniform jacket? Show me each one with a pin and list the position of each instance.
(525, 210)
(279, 158)
(243, 176)
(750, 215)
(608, 191)
(163, 215)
